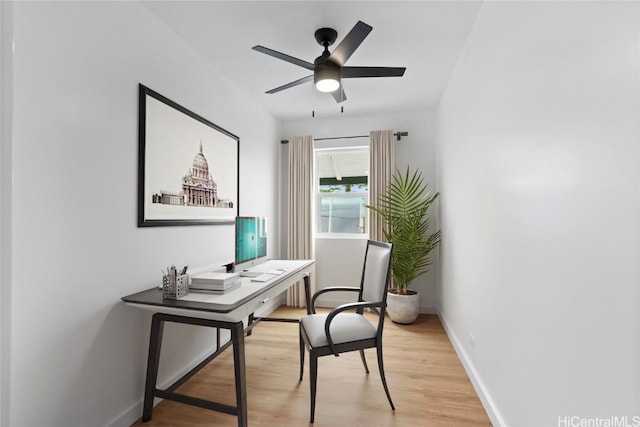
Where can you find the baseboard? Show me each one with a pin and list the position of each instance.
(428, 309)
(128, 416)
(485, 398)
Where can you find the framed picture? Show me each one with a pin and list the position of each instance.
(188, 166)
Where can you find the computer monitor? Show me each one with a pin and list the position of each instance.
(251, 241)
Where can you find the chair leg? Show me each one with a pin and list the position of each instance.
(301, 354)
(364, 361)
(384, 381)
(313, 364)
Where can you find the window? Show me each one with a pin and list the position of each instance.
(342, 185)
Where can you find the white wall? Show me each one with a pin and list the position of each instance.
(77, 353)
(5, 192)
(539, 172)
(418, 150)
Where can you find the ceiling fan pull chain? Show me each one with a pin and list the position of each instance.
(313, 102)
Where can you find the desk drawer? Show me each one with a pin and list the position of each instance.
(272, 293)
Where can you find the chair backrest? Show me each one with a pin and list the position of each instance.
(376, 272)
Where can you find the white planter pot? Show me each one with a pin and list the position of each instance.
(403, 308)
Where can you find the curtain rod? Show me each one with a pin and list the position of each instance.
(398, 135)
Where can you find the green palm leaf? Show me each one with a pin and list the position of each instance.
(403, 207)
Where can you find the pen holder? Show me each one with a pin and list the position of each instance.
(175, 286)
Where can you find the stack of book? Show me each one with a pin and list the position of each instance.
(214, 282)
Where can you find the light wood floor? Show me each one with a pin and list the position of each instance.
(426, 380)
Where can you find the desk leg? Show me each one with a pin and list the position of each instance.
(237, 336)
(155, 341)
(250, 322)
(307, 293)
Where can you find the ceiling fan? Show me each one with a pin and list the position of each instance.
(328, 68)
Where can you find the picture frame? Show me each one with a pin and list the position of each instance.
(188, 169)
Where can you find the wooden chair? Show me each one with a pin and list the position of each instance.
(340, 332)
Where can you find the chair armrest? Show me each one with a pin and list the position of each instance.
(330, 289)
(340, 309)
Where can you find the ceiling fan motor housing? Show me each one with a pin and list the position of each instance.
(325, 69)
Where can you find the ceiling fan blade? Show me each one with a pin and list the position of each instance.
(339, 95)
(292, 84)
(352, 72)
(350, 43)
(284, 57)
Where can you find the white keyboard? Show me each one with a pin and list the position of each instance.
(265, 277)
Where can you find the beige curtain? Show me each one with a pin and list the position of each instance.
(381, 169)
(300, 202)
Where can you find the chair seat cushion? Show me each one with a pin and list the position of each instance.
(344, 327)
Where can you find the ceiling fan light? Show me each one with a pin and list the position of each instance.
(327, 85)
(326, 75)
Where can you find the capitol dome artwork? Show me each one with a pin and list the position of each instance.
(198, 188)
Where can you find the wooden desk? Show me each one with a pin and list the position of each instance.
(226, 311)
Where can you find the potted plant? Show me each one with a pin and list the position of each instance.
(403, 207)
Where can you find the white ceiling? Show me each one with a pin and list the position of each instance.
(426, 37)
